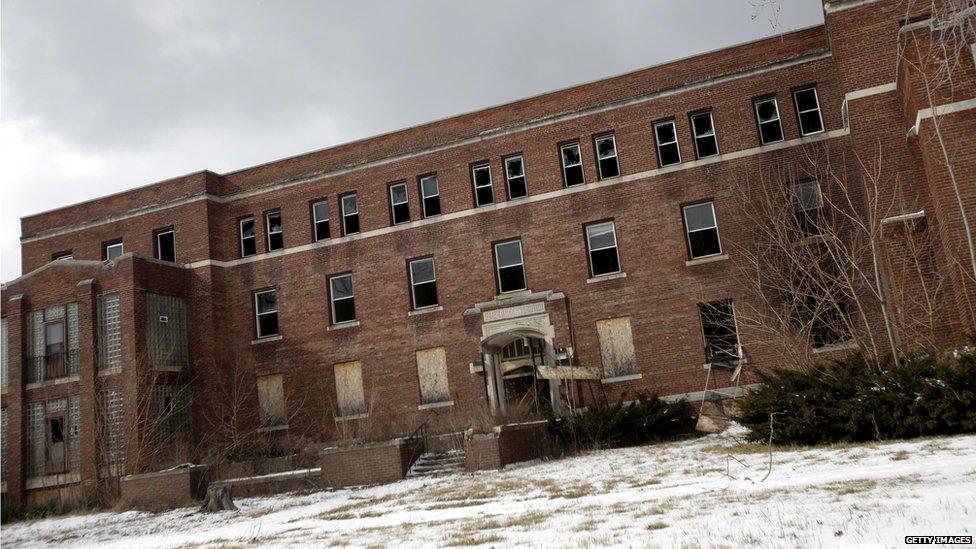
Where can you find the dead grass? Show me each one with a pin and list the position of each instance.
(656, 525)
(899, 455)
(851, 486)
(468, 540)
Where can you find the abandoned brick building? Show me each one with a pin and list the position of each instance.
(584, 237)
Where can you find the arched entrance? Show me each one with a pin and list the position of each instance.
(512, 360)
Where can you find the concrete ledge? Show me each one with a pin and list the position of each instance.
(268, 339)
(350, 418)
(48, 481)
(706, 259)
(601, 278)
(53, 382)
(436, 405)
(343, 325)
(846, 346)
(619, 379)
(425, 310)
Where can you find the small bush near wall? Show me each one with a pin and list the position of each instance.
(859, 400)
(606, 425)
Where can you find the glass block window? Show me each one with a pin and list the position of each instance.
(73, 439)
(109, 333)
(113, 442)
(166, 326)
(35, 439)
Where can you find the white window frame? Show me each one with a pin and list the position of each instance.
(345, 214)
(712, 134)
(521, 263)
(508, 177)
(474, 181)
(333, 299)
(159, 246)
(65, 256)
(684, 213)
(240, 230)
(258, 313)
(674, 132)
(590, 249)
(316, 220)
(562, 160)
(393, 205)
(596, 145)
(799, 113)
(759, 122)
(424, 197)
(113, 245)
(269, 232)
(413, 284)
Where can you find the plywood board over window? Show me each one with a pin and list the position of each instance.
(616, 347)
(350, 398)
(432, 373)
(271, 397)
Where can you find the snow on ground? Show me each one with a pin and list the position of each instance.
(684, 494)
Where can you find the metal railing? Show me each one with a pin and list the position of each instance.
(51, 367)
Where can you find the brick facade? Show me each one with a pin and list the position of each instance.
(864, 104)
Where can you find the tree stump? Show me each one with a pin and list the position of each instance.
(217, 499)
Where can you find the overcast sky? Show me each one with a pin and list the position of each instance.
(101, 96)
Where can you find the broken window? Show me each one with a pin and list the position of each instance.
(808, 207)
(432, 374)
(423, 283)
(399, 206)
(572, 164)
(343, 302)
(511, 272)
(112, 251)
(109, 333)
(53, 430)
(350, 214)
(483, 193)
(703, 127)
(606, 155)
(616, 347)
(266, 313)
(667, 143)
(276, 237)
(767, 116)
(271, 401)
(249, 245)
(166, 245)
(808, 110)
(702, 230)
(350, 397)
(65, 255)
(601, 240)
(170, 417)
(515, 177)
(431, 195)
(720, 332)
(320, 220)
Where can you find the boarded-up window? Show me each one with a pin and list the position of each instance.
(271, 397)
(432, 372)
(167, 332)
(5, 373)
(113, 442)
(109, 333)
(350, 398)
(616, 347)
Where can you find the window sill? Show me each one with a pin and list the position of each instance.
(845, 346)
(350, 418)
(706, 259)
(53, 382)
(513, 293)
(273, 428)
(619, 379)
(436, 405)
(112, 372)
(610, 276)
(267, 339)
(343, 325)
(727, 365)
(812, 239)
(426, 310)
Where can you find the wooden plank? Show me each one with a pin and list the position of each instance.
(616, 346)
(271, 398)
(350, 398)
(568, 372)
(432, 373)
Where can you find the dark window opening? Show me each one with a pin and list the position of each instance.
(423, 283)
(667, 144)
(56, 426)
(606, 153)
(343, 302)
(276, 236)
(515, 175)
(112, 251)
(350, 214)
(483, 192)
(430, 193)
(572, 164)
(399, 205)
(249, 244)
(808, 208)
(767, 116)
(320, 219)
(719, 330)
(702, 230)
(62, 256)
(601, 240)
(266, 313)
(511, 272)
(166, 246)
(808, 111)
(706, 144)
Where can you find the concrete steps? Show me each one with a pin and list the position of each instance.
(437, 464)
